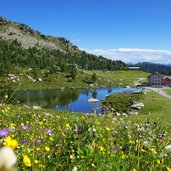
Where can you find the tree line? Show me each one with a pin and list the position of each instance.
(13, 55)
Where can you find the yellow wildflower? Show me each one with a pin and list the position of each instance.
(51, 139)
(131, 142)
(101, 149)
(47, 148)
(36, 161)
(67, 125)
(26, 160)
(28, 150)
(9, 142)
(153, 151)
(142, 150)
(160, 161)
(40, 123)
(11, 124)
(6, 96)
(42, 166)
(108, 129)
(97, 123)
(37, 149)
(123, 156)
(168, 169)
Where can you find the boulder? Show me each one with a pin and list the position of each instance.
(36, 107)
(92, 100)
(91, 85)
(137, 106)
(133, 113)
(31, 79)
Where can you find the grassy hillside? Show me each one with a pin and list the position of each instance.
(168, 91)
(156, 106)
(122, 78)
(83, 79)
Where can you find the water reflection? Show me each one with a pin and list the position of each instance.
(68, 99)
(48, 98)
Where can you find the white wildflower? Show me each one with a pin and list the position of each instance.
(12, 129)
(168, 148)
(75, 168)
(145, 143)
(8, 159)
(94, 130)
(162, 154)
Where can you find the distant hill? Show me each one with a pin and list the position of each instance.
(21, 46)
(153, 67)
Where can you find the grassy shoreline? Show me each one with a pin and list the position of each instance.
(83, 80)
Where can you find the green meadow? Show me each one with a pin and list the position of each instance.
(82, 80)
(168, 91)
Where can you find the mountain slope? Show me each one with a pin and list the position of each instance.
(152, 67)
(45, 52)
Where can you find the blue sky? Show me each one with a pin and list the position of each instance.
(107, 27)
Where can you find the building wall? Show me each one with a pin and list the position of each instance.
(166, 82)
(155, 80)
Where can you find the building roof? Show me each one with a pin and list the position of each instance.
(155, 74)
(169, 77)
(133, 67)
(162, 76)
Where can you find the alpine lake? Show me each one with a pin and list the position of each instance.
(73, 100)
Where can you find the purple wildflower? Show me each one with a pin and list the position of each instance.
(79, 128)
(161, 138)
(25, 127)
(114, 149)
(4, 132)
(37, 142)
(50, 131)
(119, 135)
(106, 109)
(22, 141)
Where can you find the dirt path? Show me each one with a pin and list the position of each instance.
(160, 91)
(136, 82)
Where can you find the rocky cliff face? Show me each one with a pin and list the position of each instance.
(26, 40)
(28, 37)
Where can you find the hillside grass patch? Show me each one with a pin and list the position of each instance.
(120, 102)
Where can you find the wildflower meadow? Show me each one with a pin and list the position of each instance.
(45, 140)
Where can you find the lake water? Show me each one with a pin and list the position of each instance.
(75, 100)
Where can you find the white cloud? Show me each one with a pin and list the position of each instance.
(130, 55)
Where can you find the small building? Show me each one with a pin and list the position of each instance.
(166, 81)
(133, 68)
(155, 80)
